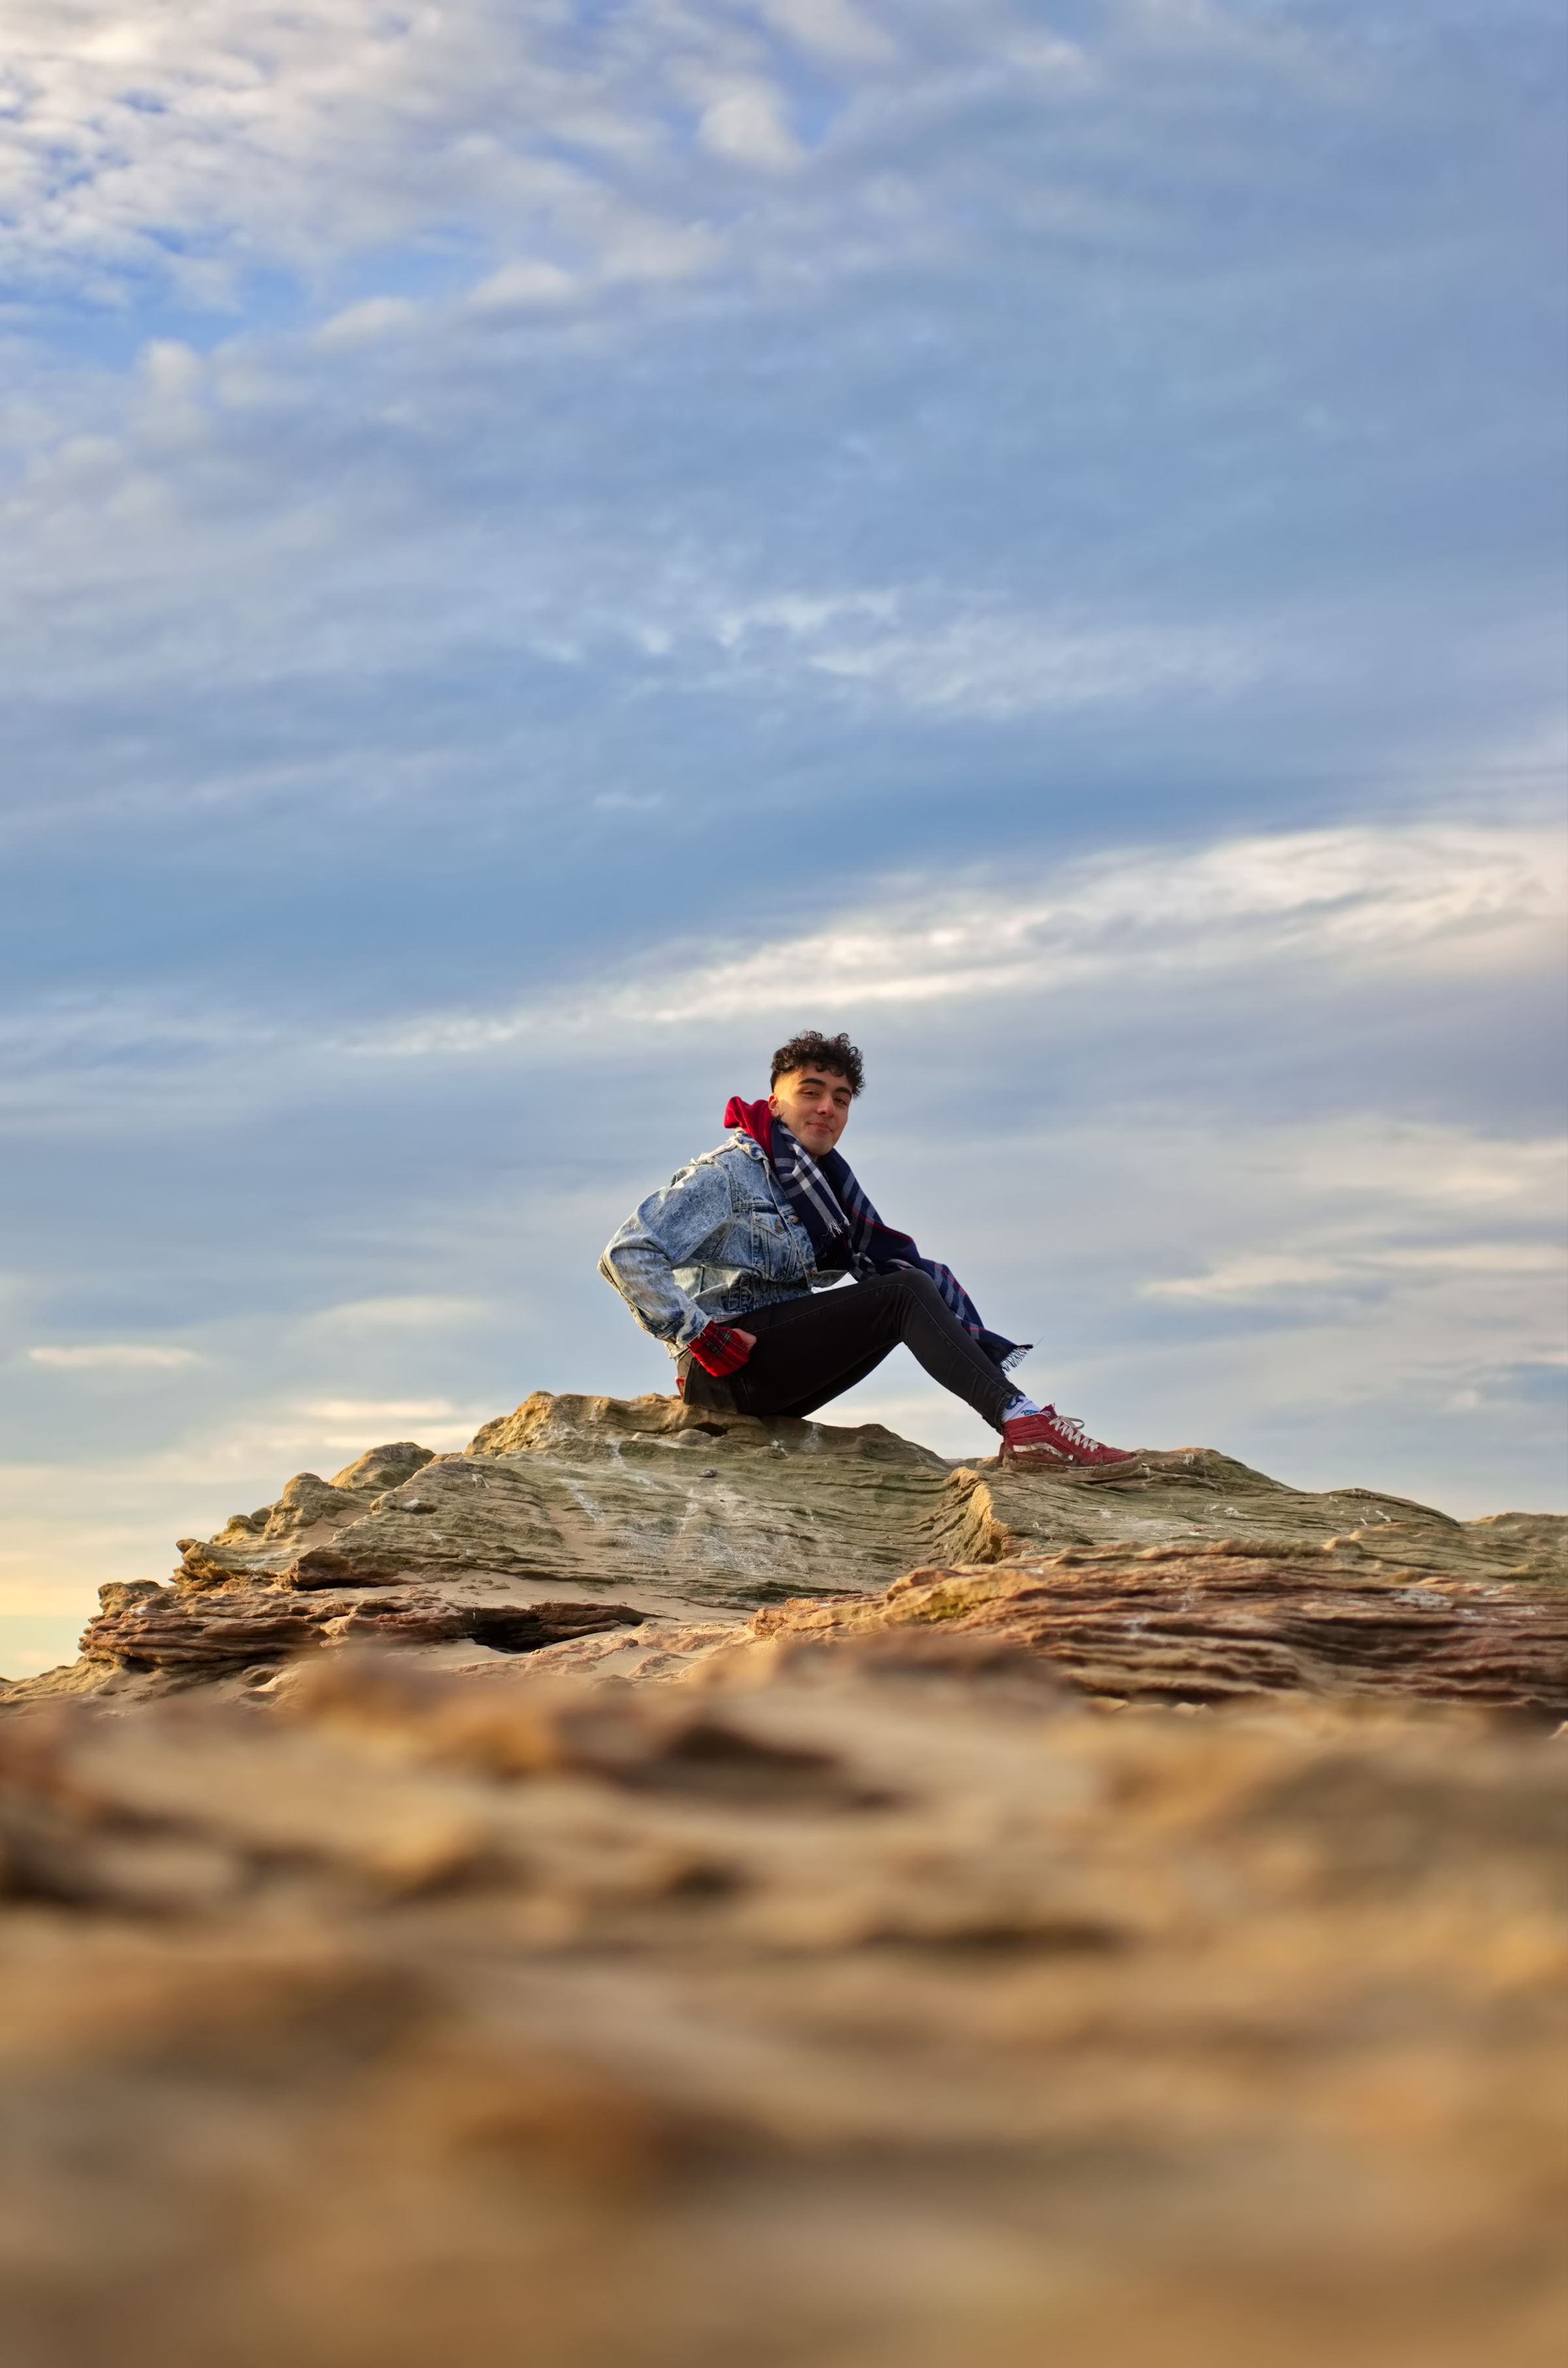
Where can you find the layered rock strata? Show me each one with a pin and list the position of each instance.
(1230, 1623)
(633, 1536)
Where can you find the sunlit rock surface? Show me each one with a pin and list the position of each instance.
(632, 1537)
(879, 2006)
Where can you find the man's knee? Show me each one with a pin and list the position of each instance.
(915, 1288)
(919, 1280)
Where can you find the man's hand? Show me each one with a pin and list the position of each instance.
(722, 1349)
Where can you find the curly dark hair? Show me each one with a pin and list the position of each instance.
(811, 1050)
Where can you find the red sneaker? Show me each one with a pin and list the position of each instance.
(1051, 1438)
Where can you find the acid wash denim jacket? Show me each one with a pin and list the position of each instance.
(718, 1238)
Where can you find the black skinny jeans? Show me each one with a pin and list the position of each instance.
(814, 1349)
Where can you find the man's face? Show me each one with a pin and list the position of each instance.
(813, 1105)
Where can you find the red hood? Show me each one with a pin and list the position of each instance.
(754, 1118)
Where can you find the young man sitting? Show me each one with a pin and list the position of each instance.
(729, 1265)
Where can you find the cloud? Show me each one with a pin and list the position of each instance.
(1318, 937)
(411, 1312)
(1001, 666)
(376, 316)
(137, 148)
(98, 1512)
(525, 284)
(1426, 898)
(125, 549)
(833, 28)
(999, 407)
(149, 145)
(1343, 1286)
(1268, 1275)
(371, 1411)
(747, 123)
(127, 1058)
(948, 651)
(113, 1357)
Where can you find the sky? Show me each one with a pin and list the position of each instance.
(545, 544)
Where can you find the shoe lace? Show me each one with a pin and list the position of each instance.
(1072, 1431)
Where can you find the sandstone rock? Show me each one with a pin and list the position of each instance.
(167, 1630)
(1231, 1623)
(650, 1511)
(871, 2008)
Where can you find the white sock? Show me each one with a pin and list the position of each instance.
(1020, 1405)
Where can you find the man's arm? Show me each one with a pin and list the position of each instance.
(670, 1228)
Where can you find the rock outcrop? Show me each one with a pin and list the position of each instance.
(635, 1538)
(878, 2006)
(1234, 1623)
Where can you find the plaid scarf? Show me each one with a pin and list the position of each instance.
(846, 1230)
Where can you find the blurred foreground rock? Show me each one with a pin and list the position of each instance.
(871, 2005)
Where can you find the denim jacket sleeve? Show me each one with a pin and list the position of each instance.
(667, 1230)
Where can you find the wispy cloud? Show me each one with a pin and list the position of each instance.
(951, 654)
(1097, 944)
(1268, 1275)
(366, 1413)
(1422, 898)
(75, 1520)
(1346, 1279)
(112, 1357)
(135, 147)
(748, 121)
(408, 1312)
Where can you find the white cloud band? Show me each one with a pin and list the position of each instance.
(112, 1357)
(1423, 898)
